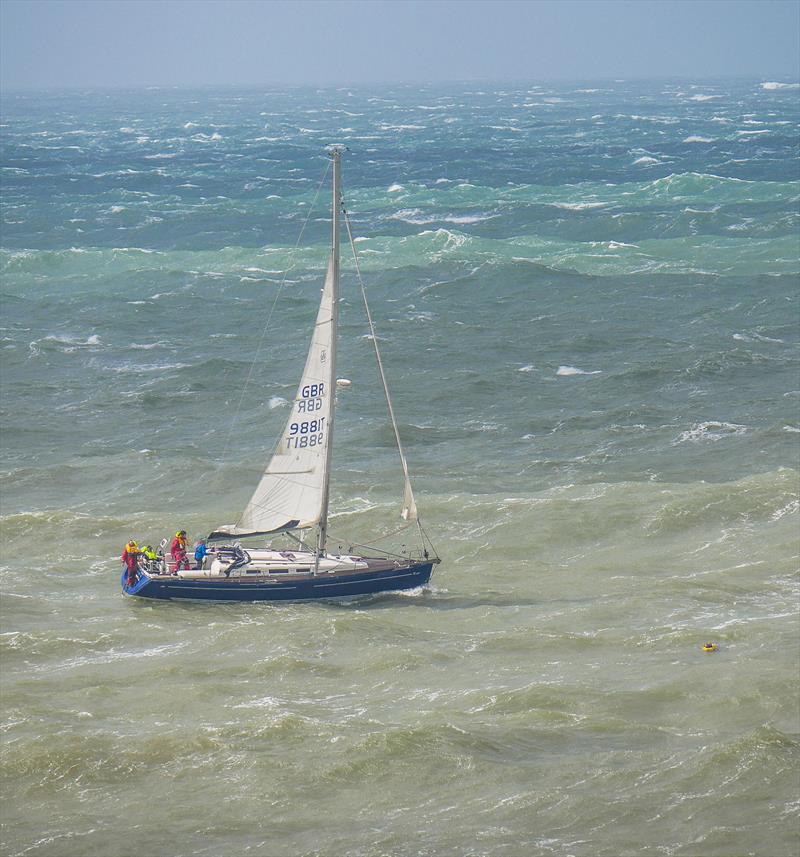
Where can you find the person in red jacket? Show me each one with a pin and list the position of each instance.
(130, 556)
(177, 549)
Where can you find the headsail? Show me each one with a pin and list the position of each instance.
(291, 491)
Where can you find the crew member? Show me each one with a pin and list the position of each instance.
(149, 556)
(200, 552)
(130, 557)
(177, 549)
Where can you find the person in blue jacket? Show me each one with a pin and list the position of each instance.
(200, 552)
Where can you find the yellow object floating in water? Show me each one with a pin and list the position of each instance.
(709, 647)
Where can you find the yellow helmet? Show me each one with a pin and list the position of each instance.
(132, 544)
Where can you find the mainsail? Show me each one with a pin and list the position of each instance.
(292, 490)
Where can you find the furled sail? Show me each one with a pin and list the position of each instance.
(291, 491)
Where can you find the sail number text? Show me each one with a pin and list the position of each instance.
(302, 435)
(310, 398)
(309, 433)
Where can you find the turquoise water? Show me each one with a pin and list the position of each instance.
(586, 297)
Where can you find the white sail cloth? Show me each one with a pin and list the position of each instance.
(291, 490)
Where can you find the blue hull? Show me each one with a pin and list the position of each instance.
(313, 587)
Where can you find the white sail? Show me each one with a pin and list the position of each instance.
(291, 491)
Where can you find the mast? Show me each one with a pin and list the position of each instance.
(322, 535)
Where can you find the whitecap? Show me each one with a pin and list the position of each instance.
(756, 337)
(695, 138)
(772, 84)
(277, 402)
(578, 206)
(791, 508)
(395, 188)
(156, 367)
(94, 339)
(464, 218)
(646, 159)
(412, 215)
(402, 127)
(567, 371)
(711, 430)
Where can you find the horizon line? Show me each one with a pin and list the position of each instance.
(683, 78)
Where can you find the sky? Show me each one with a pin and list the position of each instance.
(128, 43)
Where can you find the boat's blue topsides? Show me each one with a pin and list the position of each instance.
(381, 576)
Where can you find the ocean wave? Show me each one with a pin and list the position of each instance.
(65, 344)
(764, 498)
(579, 206)
(140, 368)
(417, 217)
(791, 508)
(455, 196)
(569, 371)
(698, 253)
(710, 431)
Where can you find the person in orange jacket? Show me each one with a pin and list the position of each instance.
(177, 549)
(130, 556)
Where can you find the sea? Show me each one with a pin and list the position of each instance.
(586, 299)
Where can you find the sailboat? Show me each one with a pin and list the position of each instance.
(292, 498)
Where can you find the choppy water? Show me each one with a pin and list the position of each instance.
(587, 300)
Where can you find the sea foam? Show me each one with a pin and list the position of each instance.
(568, 371)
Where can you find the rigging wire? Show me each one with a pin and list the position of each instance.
(409, 505)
